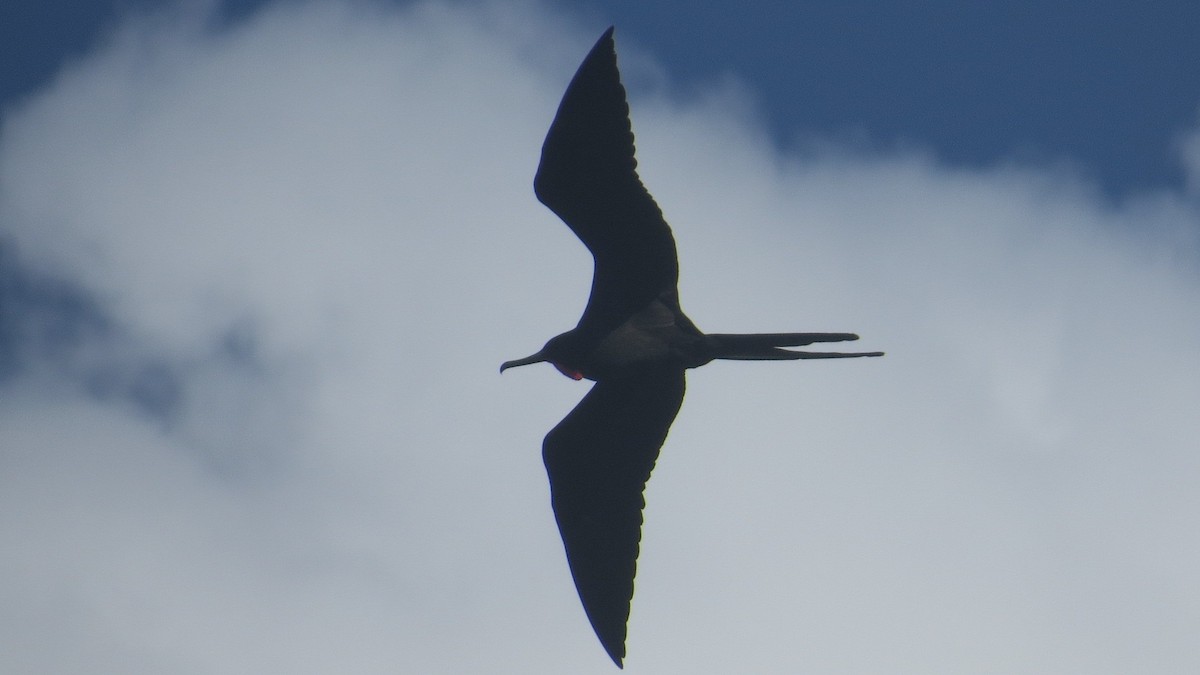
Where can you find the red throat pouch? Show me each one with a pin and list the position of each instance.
(573, 374)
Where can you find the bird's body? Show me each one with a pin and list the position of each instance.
(657, 334)
(633, 340)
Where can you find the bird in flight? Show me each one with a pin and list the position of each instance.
(633, 340)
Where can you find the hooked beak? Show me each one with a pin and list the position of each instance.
(535, 358)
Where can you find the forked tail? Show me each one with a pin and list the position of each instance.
(766, 346)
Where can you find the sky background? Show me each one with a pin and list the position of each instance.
(260, 261)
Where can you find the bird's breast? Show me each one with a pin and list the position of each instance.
(649, 339)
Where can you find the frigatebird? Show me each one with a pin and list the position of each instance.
(633, 340)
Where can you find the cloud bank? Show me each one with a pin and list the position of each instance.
(259, 279)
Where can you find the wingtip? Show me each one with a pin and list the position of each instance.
(606, 38)
(613, 645)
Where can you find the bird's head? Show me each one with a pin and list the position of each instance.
(559, 352)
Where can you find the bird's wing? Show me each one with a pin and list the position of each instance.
(588, 177)
(599, 458)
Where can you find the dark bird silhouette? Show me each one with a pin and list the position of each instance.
(633, 340)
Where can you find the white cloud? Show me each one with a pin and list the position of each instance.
(342, 193)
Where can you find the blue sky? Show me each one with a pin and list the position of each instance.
(1105, 87)
(257, 274)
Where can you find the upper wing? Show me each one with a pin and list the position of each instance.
(588, 177)
(599, 458)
